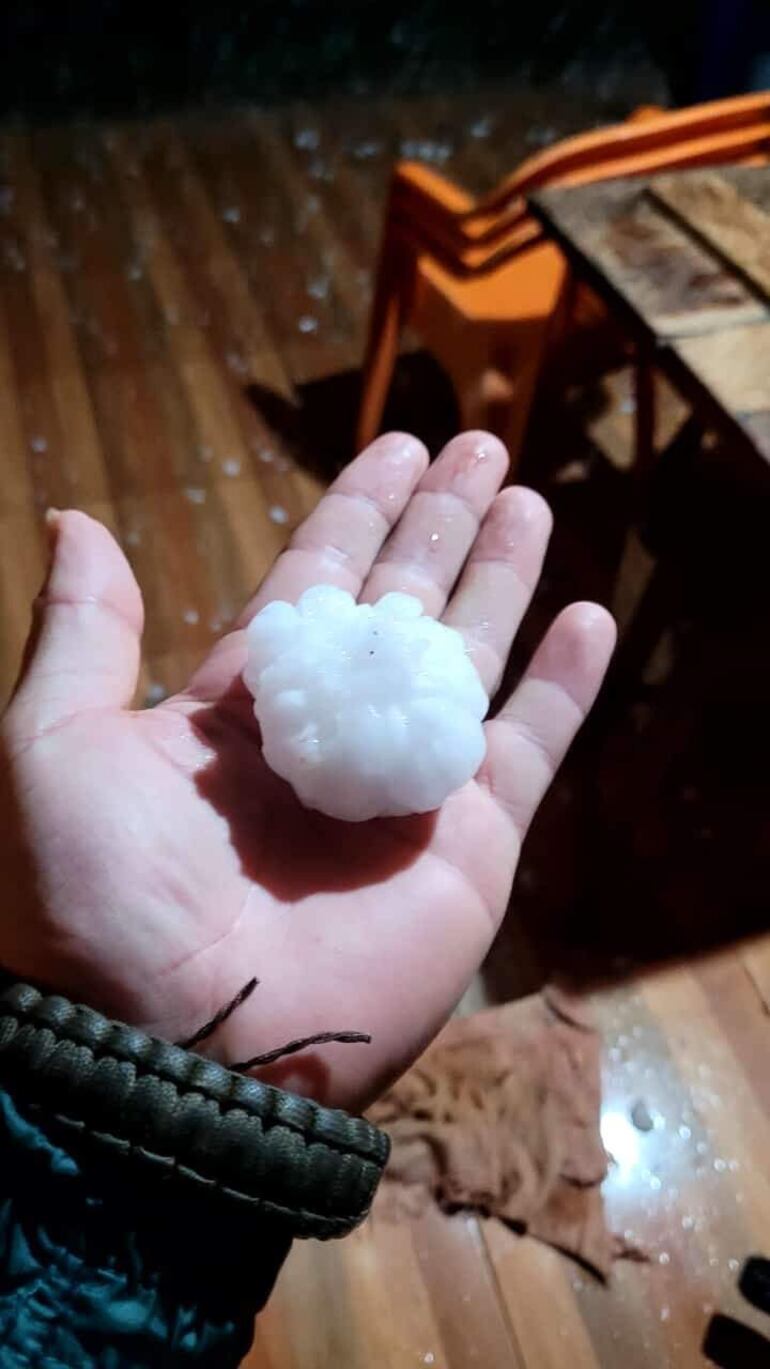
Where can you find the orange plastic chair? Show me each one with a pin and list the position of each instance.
(479, 283)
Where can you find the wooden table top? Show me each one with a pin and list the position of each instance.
(685, 259)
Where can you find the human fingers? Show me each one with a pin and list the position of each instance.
(497, 584)
(528, 739)
(338, 542)
(427, 549)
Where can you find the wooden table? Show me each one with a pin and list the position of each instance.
(684, 260)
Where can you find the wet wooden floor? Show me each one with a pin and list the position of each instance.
(166, 291)
(693, 1192)
(155, 282)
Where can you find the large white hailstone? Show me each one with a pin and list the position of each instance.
(367, 710)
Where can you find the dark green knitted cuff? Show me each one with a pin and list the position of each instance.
(154, 1109)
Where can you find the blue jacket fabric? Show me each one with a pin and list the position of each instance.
(98, 1274)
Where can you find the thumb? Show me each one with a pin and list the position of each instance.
(84, 647)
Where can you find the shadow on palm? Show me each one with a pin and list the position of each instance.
(283, 847)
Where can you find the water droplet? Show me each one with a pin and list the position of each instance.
(231, 213)
(133, 537)
(540, 135)
(236, 362)
(688, 1223)
(366, 149)
(665, 1313)
(190, 616)
(482, 127)
(641, 1116)
(426, 150)
(654, 1183)
(318, 287)
(172, 316)
(38, 444)
(308, 324)
(664, 1257)
(434, 537)
(720, 1165)
(320, 170)
(267, 235)
(309, 139)
(205, 452)
(267, 455)
(195, 494)
(278, 514)
(231, 466)
(14, 257)
(684, 1133)
(733, 1166)
(155, 693)
(701, 1148)
(627, 406)
(429, 1357)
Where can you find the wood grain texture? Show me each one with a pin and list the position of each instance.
(684, 260)
(716, 211)
(691, 1192)
(670, 281)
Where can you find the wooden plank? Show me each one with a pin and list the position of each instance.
(685, 1189)
(534, 1283)
(713, 209)
(673, 286)
(744, 1017)
(354, 1303)
(734, 365)
(464, 1292)
(721, 1092)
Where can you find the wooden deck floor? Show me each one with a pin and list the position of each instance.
(165, 290)
(694, 1192)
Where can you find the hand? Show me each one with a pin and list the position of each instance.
(153, 863)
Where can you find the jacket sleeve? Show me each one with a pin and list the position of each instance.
(147, 1196)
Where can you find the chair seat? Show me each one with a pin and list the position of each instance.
(525, 289)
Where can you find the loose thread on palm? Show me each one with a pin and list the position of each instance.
(210, 1027)
(268, 1057)
(291, 1048)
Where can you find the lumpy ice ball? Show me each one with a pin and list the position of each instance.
(367, 710)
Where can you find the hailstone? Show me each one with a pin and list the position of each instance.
(368, 710)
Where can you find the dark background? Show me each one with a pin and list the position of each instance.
(108, 57)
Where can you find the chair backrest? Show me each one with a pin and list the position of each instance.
(723, 130)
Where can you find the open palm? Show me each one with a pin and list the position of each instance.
(157, 864)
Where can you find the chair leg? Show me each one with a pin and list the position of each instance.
(542, 337)
(524, 387)
(644, 394)
(382, 347)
